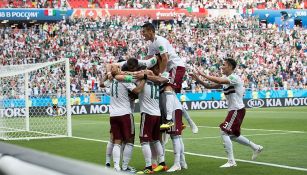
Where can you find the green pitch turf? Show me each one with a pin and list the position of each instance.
(282, 132)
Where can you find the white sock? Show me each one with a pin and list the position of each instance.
(147, 153)
(169, 104)
(109, 151)
(177, 149)
(244, 141)
(154, 156)
(187, 116)
(160, 152)
(182, 157)
(127, 153)
(227, 145)
(116, 155)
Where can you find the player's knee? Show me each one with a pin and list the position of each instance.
(168, 88)
(119, 142)
(175, 136)
(223, 132)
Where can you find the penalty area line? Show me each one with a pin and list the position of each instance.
(210, 156)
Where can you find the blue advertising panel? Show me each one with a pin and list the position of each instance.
(34, 14)
(189, 96)
(292, 15)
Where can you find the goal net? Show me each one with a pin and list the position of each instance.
(35, 101)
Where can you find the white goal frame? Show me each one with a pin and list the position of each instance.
(24, 128)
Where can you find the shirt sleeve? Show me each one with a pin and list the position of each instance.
(233, 79)
(148, 63)
(165, 75)
(161, 46)
(129, 86)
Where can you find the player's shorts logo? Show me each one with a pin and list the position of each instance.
(255, 103)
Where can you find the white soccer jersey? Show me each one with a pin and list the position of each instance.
(234, 92)
(160, 46)
(149, 99)
(120, 101)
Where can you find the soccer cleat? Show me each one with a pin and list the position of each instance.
(153, 166)
(183, 126)
(194, 128)
(175, 167)
(108, 165)
(145, 171)
(130, 169)
(229, 164)
(167, 125)
(184, 165)
(257, 152)
(160, 168)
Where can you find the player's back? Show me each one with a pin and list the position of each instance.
(120, 101)
(149, 99)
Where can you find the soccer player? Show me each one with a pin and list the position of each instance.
(150, 126)
(175, 130)
(121, 120)
(230, 128)
(171, 63)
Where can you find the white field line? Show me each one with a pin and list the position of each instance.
(211, 156)
(248, 129)
(215, 137)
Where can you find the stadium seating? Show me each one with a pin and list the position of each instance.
(258, 61)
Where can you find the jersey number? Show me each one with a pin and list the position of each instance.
(114, 89)
(225, 125)
(154, 92)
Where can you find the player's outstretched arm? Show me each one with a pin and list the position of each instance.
(157, 79)
(218, 80)
(151, 76)
(206, 85)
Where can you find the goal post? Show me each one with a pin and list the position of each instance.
(35, 101)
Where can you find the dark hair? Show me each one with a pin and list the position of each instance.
(132, 63)
(149, 26)
(232, 62)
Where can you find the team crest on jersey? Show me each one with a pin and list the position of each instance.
(231, 77)
(153, 61)
(161, 48)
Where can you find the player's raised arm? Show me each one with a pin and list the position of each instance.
(217, 80)
(195, 76)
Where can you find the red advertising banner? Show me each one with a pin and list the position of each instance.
(160, 14)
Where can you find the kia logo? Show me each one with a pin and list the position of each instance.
(255, 103)
(60, 111)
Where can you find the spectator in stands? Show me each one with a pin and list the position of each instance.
(266, 58)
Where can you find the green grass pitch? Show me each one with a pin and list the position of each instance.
(282, 132)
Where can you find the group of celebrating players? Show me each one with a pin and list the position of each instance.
(155, 82)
